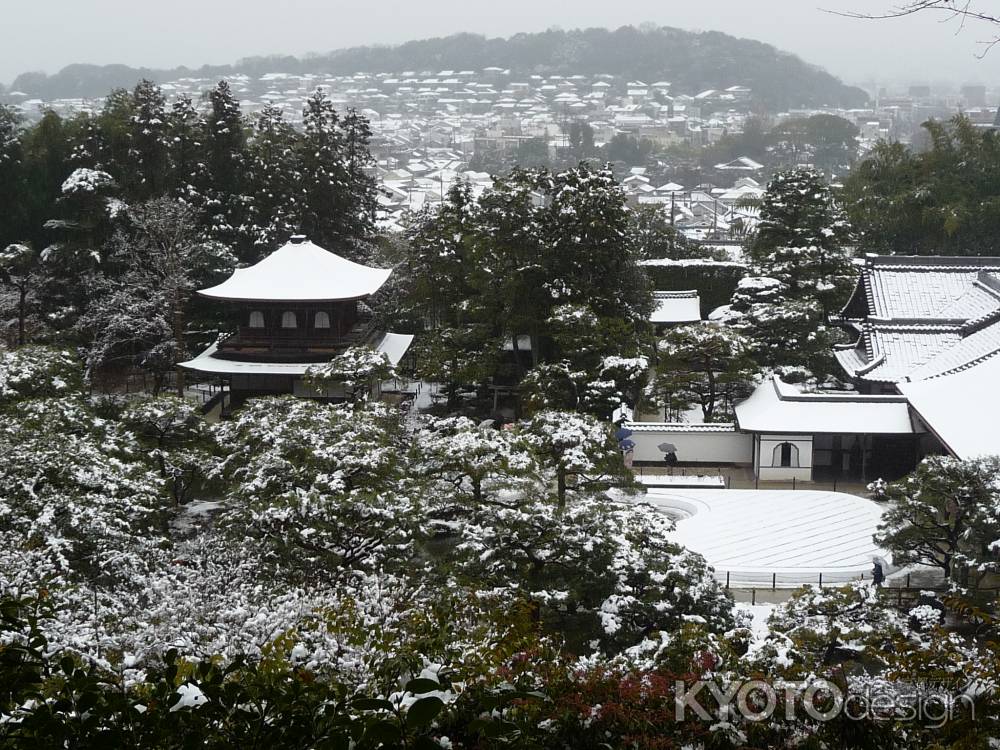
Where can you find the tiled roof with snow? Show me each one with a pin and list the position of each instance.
(922, 316)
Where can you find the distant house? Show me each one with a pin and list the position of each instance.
(740, 164)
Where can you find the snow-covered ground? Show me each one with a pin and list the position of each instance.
(792, 535)
(759, 614)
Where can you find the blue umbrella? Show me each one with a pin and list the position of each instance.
(622, 433)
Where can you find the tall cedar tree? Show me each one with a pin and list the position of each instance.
(225, 143)
(148, 143)
(273, 177)
(337, 193)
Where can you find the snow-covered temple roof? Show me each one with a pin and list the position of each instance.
(300, 271)
(676, 307)
(961, 408)
(777, 407)
(393, 345)
(918, 316)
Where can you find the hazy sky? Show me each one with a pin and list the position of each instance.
(48, 34)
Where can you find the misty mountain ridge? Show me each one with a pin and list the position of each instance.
(691, 61)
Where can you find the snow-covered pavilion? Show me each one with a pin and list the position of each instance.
(299, 307)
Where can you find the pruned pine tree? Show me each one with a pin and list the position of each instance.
(945, 515)
(356, 372)
(595, 571)
(703, 365)
(786, 333)
(320, 486)
(174, 438)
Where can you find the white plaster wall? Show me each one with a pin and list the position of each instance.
(730, 447)
(784, 474)
(767, 467)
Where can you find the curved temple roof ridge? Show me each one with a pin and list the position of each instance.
(300, 271)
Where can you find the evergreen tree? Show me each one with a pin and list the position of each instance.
(785, 333)
(12, 218)
(148, 143)
(225, 143)
(337, 196)
(273, 179)
(801, 238)
(186, 171)
(702, 365)
(946, 514)
(944, 200)
(110, 144)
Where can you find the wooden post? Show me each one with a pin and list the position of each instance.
(907, 580)
(753, 596)
(793, 483)
(821, 580)
(774, 581)
(727, 580)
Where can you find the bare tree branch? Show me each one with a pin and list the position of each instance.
(962, 10)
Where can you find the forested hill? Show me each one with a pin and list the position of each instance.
(692, 61)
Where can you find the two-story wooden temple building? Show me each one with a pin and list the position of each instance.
(300, 306)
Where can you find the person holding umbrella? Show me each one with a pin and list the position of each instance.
(669, 451)
(878, 574)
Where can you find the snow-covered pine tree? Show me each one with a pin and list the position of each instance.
(703, 365)
(946, 515)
